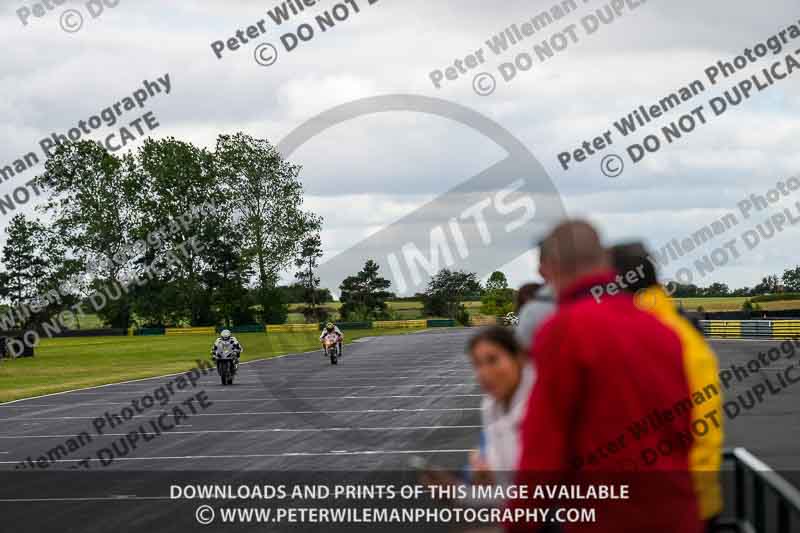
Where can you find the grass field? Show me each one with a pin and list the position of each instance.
(69, 363)
(734, 303)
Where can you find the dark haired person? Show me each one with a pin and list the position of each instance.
(702, 371)
(603, 365)
(506, 378)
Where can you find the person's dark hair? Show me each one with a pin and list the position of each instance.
(633, 257)
(498, 335)
(525, 294)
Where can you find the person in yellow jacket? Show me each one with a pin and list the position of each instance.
(638, 275)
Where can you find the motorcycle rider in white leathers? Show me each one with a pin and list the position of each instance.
(226, 340)
(327, 330)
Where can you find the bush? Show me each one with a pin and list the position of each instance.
(748, 305)
(497, 302)
(462, 315)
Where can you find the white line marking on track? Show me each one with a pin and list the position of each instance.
(234, 389)
(397, 410)
(265, 430)
(259, 455)
(248, 400)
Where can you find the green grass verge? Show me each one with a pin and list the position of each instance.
(71, 363)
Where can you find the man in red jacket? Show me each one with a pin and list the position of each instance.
(609, 405)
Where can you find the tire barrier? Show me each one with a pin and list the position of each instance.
(483, 320)
(349, 325)
(15, 347)
(252, 328)
(210, 330)
(738, 329)
(291, 328)
(399, 324)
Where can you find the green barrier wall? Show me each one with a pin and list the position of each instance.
(441, 323)
(149, 331)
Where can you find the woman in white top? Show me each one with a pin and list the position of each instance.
(504, 372)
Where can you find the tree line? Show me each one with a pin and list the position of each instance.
(219, 265)
(102, 205)
(788, 282)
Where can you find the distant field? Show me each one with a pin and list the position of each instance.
(734, 303)
(70, 363)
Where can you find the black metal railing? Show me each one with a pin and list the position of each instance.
(767, 491)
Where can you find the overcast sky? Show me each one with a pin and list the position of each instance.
(366, 174)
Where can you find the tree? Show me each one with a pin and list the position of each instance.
(497, 302)
(497, 281)
(176, 179)
(226, 283)
(447, 289)
(768, 285)
(306, 263)
(364, 295)
(497, 299)
(791, 279)
(93, 214)
(37, 272)
(23, 261)
(268, 199)
(742, 291)
(718, 290)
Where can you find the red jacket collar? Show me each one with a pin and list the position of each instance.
(582, 287)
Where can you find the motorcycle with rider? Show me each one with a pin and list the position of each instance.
(225, 353)
(331, 339)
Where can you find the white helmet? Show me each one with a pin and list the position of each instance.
(225, 334)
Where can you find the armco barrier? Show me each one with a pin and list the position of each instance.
(399, 324)
(785, 329)
(291, 328)
(441, 323)
(756, 328)
(764, 329)
(210, 330)
(726, 329)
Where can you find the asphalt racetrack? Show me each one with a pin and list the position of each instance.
(391, 400)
